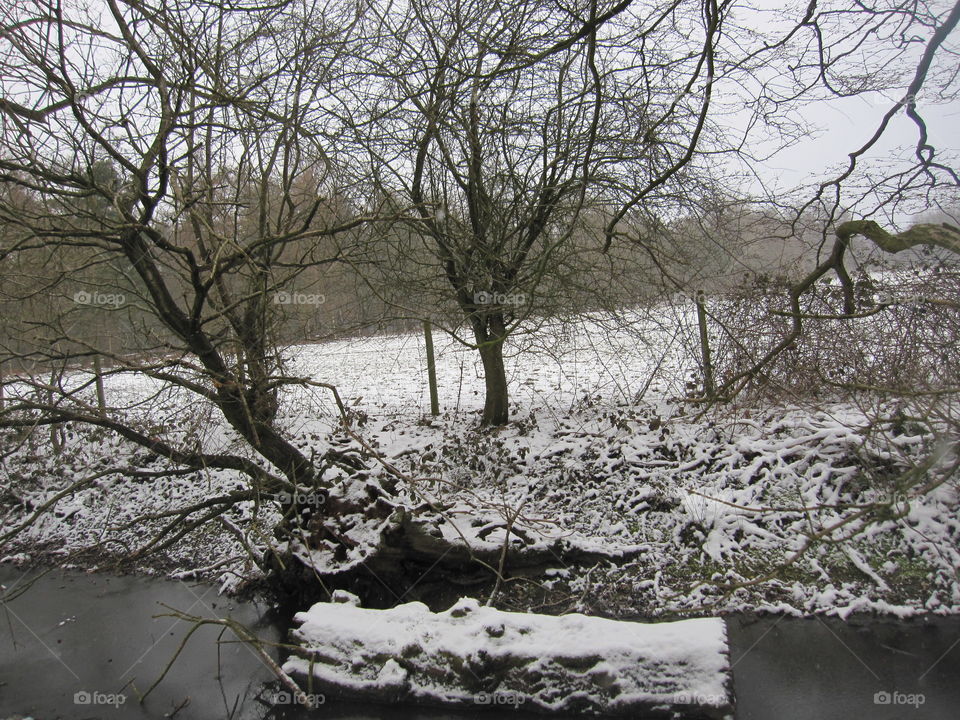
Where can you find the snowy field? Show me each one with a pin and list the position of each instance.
(716, 512)
(555, 368)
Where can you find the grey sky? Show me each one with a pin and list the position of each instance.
(845, 125)
(842, 126)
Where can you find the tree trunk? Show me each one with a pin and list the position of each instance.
(495, 405)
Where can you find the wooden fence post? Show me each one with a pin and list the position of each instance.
(431, 369)
(709, 390)
(101, 396)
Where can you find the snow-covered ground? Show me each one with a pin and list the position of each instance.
(603, 448)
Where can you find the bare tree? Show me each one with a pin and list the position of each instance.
(499, 134)
(177, 149)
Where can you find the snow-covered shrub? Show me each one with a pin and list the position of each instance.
(900, 341)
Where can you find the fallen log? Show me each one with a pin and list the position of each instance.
(476, 655)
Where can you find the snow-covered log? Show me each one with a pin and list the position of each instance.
(471, 654)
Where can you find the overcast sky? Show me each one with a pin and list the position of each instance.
(844, 125)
